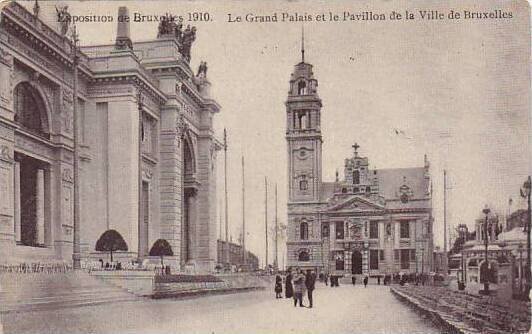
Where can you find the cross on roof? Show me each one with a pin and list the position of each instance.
(356, 146)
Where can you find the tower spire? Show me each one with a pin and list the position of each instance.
(302, 44)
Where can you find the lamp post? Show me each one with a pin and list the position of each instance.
(525, 193)
(520, 268)
(76, 248)
(486, 290)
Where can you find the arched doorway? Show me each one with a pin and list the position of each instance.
(356, 263)
(32, 182)
(188, 225)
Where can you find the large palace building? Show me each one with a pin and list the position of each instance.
(373, 222)
(146, 144)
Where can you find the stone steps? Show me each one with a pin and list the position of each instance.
(34, 292)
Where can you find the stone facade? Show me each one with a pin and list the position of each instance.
(147, 146)
(373, 222)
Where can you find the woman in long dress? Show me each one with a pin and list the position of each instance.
(288, 288)
(299, 287)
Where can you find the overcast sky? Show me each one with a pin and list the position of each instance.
(459, 89)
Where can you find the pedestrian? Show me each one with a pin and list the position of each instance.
(310, 282)
(278, 287)
(326, 279)
(299, 287)
(365, 281)
(353, 279)
(288, 288)
(378, 280)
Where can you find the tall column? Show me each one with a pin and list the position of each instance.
(40, 206)
(17, 201)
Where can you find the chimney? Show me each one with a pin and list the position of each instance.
(123, 41)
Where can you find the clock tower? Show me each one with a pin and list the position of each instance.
(303, 134)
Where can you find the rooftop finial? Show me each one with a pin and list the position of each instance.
(36, 8)
(302, 44)
(355, 147)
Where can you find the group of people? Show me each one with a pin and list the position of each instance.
(296, 285)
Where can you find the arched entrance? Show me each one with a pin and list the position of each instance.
(356, 263)
(32, 167)
(188, 225)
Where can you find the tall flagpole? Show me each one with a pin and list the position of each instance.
(266, 219)
(276, 260)
(244, 255)
(445, 260)
(221, 224)
(76, 249)
(226, 210)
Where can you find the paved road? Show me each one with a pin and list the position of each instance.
(346, 309)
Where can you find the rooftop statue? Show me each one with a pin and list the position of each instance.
(64, 18)
(202, 70)
(189, 35)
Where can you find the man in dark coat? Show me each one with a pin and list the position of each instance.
(310, 282)
(365, 281)
(288, 287)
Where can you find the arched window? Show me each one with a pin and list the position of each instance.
(303, 256)
(356, 177)
(188, 158)
(303, 123)
(30, 111)
(303, 183)
(302, 88)
(303, 231)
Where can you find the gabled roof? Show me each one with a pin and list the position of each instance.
(356, 203)
(390, 180)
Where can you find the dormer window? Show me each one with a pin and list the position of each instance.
(302, 88)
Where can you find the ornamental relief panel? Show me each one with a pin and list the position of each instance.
(6, 76)
(67, 176)
(5, 154)
(356, 229)
(67, 110)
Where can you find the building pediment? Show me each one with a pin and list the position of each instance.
(354, 204)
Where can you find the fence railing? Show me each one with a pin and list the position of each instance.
(36, 267)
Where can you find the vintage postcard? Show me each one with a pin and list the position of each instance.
(289, 166)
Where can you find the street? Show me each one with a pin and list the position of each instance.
(346, 309)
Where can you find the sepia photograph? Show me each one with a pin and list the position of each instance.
(284, 166)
